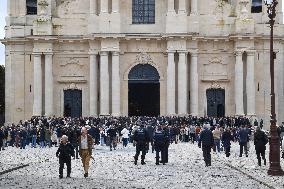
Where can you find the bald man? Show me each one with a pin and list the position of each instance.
(85, 149)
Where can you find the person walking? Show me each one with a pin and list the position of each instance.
(125, 136)
(243, 139)
(85, 149)
(206, 141)
(64, 153)
(217, 138)
(260, 140)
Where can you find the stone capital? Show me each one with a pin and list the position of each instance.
(48, 53)
(182, 51)
(115, 53)
(239, 53)
(250, 52)
(193, 52)
(93, 52)
(37, 54)
(103, 53)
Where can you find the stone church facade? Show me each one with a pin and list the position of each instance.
(141, 57)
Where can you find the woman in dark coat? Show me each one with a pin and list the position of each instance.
(260, 140)
(226, 140)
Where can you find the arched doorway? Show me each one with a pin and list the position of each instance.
(215, 102)
(143, 91)
(72, 103)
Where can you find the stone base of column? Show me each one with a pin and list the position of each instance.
(115, 114)
(238, 115)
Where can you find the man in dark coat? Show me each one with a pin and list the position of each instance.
(260, 140)
(207, 141)
(159, 139)
(141, 137)
(23, 137)
(112, 137)
(226, 140)
(64, 153)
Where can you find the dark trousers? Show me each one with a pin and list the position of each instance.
(259, 154)
(207, 154)
(242, 147)
(112, 142)
(140, 147)
(227, 151)
(61, 166)
(192, 137)
(158, 149)
(124, 141)
(166, 153)
(23, 144)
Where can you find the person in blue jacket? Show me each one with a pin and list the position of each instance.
(243, 137)
(159, 144)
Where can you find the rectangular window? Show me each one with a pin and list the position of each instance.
(31, 7)
(256, 6)
(143, 11)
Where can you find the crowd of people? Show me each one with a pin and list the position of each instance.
(146, 133)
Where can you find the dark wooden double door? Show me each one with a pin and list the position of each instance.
(215, 102)
(72, 103)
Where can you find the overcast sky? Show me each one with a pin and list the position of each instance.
(3, 13)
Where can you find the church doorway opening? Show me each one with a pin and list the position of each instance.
(143, 91)
(72, 103)
(215, 102)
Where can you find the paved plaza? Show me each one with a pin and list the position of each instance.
(115, 169)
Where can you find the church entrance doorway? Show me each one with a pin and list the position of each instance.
(143, 91)
(72, 103)
(215, 102)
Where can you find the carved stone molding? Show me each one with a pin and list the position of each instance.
(143, 58)
(72, 61)
(216, 85)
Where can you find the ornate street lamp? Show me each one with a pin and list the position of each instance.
(274, 154)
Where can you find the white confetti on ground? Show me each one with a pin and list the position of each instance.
(115, 169)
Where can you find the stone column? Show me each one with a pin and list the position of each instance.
(93, 6)
(115, 84)
(93, 84)
(8, 83)
(239, 100)
(104, 6)
(48, 85)
(171, 107)
(171, 5)
(115, 6)
(104, 84)
(250, 84)
(182, 84)
(194, 7)
(194, 84)
(182, 7)
(37, 106)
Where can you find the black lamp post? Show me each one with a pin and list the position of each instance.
(274, 154)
